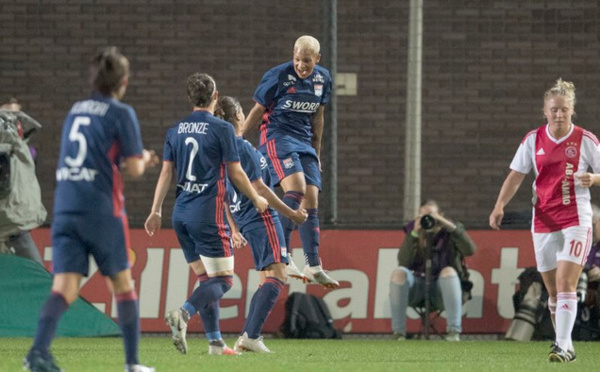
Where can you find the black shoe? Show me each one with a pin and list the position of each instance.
(559, 355)
(36, 361)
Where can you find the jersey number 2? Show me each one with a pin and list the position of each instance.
(193, 154)
(76, 136)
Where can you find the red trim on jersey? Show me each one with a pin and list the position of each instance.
(591, 136)
(272, 235)
(220, 211)
(117, 189)
(263, 126)
(272, 152)
(527, 135)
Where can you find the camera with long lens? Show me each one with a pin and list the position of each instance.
(582, 286)
(527, 315)
(427, 222)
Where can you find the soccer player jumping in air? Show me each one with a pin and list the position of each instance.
(290, 100)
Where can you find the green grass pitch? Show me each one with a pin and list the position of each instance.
(365, 355)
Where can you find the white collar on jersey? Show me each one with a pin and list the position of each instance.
(563, 138)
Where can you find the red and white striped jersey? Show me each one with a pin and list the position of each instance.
(558, 201)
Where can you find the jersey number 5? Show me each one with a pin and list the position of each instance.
(76, 136)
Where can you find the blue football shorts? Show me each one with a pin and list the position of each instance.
(77, 236)
(267, 243)
(287, 155)
(203, 238)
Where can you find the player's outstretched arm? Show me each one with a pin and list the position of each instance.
(241, 181)
(253, 118)
(299, 216)
(509, 189)
(154, 219)
(135, 166)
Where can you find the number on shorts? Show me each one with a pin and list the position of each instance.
(576, 248)
(193, 154)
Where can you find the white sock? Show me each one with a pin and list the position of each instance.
(566, 312)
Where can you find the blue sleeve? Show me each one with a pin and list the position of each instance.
(168, 148)
(327, 90)
(267, 89)
(251, 163)
(229, 150)
(130, 138)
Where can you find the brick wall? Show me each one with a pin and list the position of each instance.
(486, 66)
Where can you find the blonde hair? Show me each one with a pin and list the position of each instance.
(561, 88)
(307, 43)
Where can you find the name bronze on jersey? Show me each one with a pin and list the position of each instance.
(198, 128)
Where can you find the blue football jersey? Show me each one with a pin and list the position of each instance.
(291, 102)
(242, 209)
(200, 145)
(97, 134)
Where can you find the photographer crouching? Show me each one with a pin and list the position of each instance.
(448, 244)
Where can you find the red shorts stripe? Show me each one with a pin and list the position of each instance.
(272, 151)
(125, 222)
(219, 211)
(588, 246)
(263, 135)
(272, 235)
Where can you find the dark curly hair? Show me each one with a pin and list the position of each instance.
(200, 88)
(227, 108)
(107, 70)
